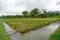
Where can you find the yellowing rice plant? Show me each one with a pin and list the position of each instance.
(25, 25)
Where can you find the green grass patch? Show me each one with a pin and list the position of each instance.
(3, 35)
(27, 24)
(55, 35)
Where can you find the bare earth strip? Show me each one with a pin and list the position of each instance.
(40, 34)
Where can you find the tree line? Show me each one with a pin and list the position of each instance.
(35, 13)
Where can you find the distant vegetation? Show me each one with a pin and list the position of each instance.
(35, 13)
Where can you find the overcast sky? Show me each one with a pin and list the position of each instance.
(13, 7)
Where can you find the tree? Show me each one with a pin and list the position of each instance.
(25, 13)
(34, 12)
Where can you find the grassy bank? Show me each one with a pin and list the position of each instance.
(3, 35)
(27, 24)
(55, 35)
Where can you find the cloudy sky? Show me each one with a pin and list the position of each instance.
(13, 7)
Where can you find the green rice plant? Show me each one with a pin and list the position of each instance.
(27, 24)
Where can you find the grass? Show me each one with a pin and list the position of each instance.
(3, 35)
(55, 35)
(27, 24)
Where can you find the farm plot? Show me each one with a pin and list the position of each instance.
(27, 24)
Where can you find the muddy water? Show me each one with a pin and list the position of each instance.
(40, 34)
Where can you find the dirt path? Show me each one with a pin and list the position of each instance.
(40, 34)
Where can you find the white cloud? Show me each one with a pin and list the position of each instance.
(16, 9)
(13, 7)
(52, 5)
(32, 1)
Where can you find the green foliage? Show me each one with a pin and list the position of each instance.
(55, 35)
(34, 12)
(25, 13)
(3, 35)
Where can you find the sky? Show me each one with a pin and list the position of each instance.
(15, 7)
